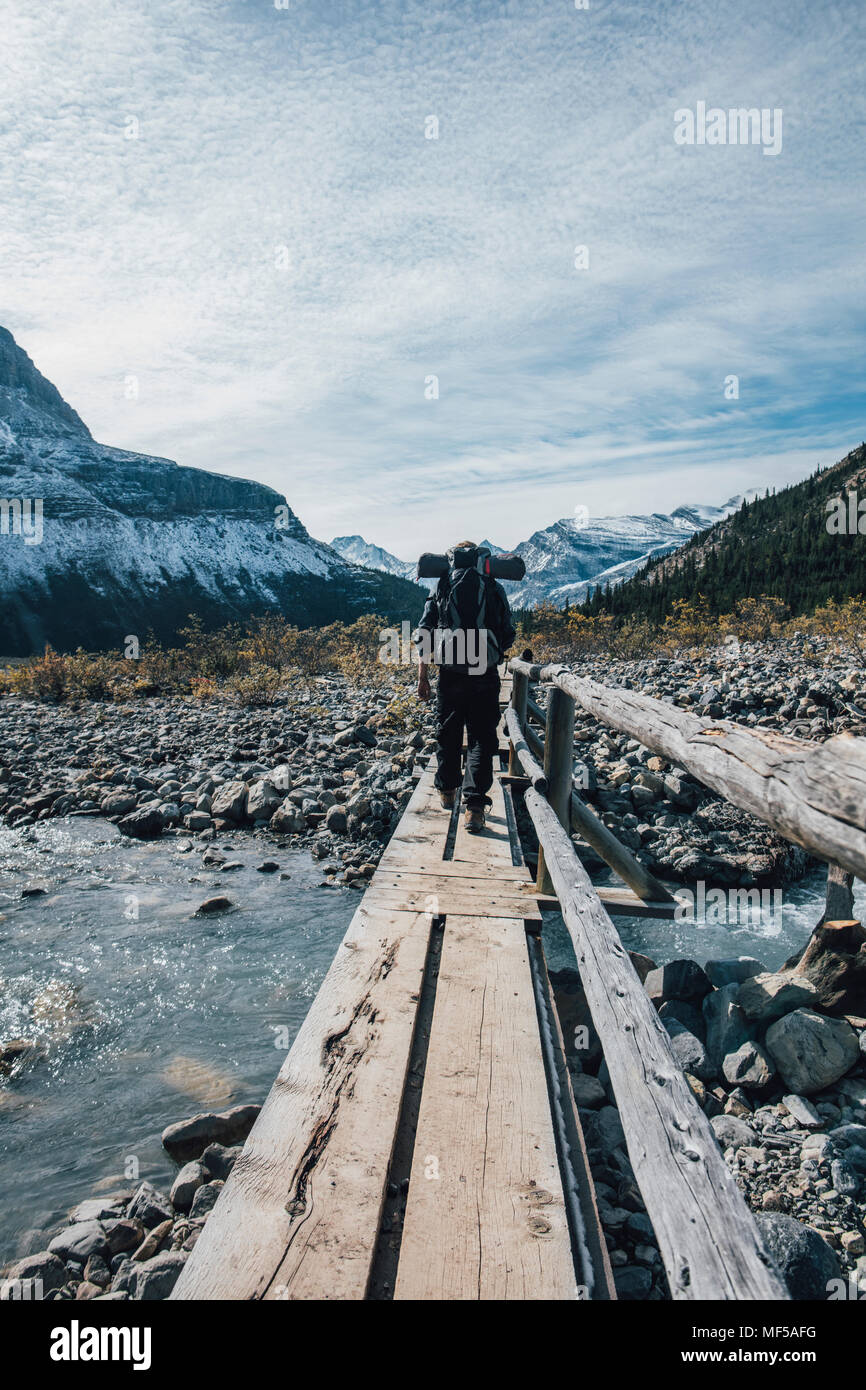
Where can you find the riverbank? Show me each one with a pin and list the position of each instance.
(330, 776)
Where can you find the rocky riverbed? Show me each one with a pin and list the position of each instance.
(332, 773)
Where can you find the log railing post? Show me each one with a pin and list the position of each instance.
(519, 694)
(839, 905)
(558, 768)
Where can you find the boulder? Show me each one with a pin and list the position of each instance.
(188, 1139)
(155, 1279)
(810, 1050)
(589, 1093)
(144, 824)
(689, 1015)
(803, 1112)
(150, 1207)
(262, 800)
(689, 1051)
(287, 819)
(804, 1260)
(749, 1067)
(679, 979)
(229, 802)
(732, 1133)
(219, 1160)
(336, 820)
(764, 998)
(123, 1234)
(206, 1199)
(45, 1266)
(186, 1184)
(733, 971)
(80, 1241)
(727, 1026)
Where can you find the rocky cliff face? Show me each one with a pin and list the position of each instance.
(98, 543)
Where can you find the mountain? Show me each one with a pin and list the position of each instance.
(800, 545)
(567, 560)
(361, 552)
(121, 543)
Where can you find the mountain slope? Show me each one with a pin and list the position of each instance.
(131, 544)
(778, 545)
(375, 557)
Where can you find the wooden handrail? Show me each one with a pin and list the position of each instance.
(521, 750)
(811, 793)
(707, 1237)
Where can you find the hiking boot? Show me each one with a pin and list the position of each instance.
(474, 820)
(447, 799)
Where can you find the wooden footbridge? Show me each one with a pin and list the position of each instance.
(421, 1140)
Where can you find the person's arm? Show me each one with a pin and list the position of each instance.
(429, 621)
(509, 631)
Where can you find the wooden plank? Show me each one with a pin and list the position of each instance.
(467, 901)
(707, 1236)
(298, 1217)
(492, 1225)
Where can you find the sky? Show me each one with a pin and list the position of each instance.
(260, 240)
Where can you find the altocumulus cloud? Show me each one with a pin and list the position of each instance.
(236, 207)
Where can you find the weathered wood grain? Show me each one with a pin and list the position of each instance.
(485, 1215)
(706, 1234)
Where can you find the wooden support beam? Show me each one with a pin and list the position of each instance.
(708, 1239)
(519, 695)
(615, 854)
(520, 750)
(839, 906)
(558, 768)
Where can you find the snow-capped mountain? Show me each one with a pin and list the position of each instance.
(567, 560)
(361, 552)
(97, 543)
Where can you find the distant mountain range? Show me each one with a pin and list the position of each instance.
(121, 543)
(565, 562)
(803, 544)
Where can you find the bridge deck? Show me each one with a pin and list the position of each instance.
(419, 1067)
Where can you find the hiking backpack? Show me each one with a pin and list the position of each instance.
(469, 604)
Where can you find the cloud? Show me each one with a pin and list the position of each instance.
(281, 258)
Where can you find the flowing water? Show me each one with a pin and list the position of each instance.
(143, 1014)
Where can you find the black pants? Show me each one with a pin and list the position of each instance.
(472, 701)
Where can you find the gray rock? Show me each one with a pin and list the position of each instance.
(632, 1282)
(727, 1026)
(186, 1184)
(150, 1207)
(803, 1111)
(219, 1160)
(206, 1199)
(767, 997)
(810, 1050)
(845, 1178)
(732, 1133)
(287, 819)
(189, 1138)
(749, 1067)
(679, 979)
(44, 1265)
(588, 1091)
(211, 906)
(336, 820)
(262, 800)
(849, 1136)
(803, 1259)
(689, 1051)
(80, 1241)
(689, 1015)
(155, 1279)
(733, 971)
(99, 1209)
(146, 823)
(230, 801)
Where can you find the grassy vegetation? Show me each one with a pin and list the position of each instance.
(252, 664)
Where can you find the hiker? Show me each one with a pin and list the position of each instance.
(465, 630)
